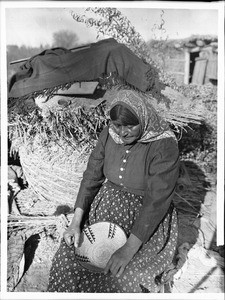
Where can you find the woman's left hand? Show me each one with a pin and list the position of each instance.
(121, 258)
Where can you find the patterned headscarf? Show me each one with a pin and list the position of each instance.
(153, 126)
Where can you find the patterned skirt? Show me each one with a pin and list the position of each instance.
(143, 272)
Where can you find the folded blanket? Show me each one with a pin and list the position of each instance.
(60, 66)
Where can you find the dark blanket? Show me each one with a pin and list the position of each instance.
(59, 66)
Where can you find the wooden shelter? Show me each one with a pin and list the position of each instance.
(190, 60)
(201, 57)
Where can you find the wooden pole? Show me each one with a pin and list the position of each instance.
(186, 67)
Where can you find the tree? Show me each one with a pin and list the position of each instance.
(65, 38)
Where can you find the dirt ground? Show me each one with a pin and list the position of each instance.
(200, 275)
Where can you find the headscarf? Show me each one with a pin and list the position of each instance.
(153, 126)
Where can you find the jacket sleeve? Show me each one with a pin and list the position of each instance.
(161, 176)
(93, 176)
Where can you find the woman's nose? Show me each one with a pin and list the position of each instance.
(123, 131)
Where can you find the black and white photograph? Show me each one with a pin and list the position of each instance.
(112, 150)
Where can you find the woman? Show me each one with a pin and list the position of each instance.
(130, 180)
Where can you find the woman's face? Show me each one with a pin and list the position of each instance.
(129, 133)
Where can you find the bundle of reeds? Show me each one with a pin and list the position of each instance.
(79, 127)
(36, 224)
(71, 128)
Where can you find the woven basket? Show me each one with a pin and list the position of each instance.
(99, 242)
(54, 174)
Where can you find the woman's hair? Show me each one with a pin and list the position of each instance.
(123, 115)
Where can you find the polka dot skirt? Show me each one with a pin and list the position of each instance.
(149, 263)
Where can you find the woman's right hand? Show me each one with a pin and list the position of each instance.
(73, 232)
(72, 235)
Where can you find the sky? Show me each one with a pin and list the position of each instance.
(35, 26)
